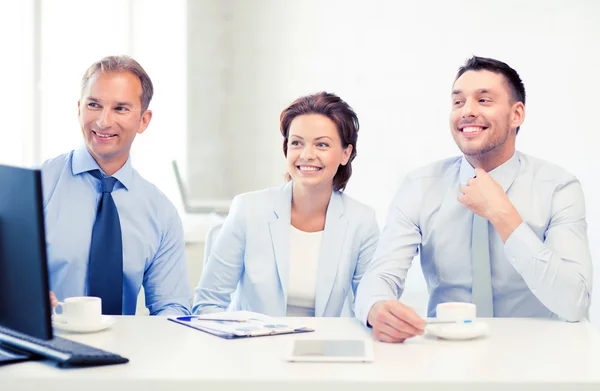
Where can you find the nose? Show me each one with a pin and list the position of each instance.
(308, 153)
(105, 120)
(469, 109)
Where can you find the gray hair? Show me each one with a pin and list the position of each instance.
(121, 64)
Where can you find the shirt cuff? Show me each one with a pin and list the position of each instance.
(207, 309)
(522, 245)
(175, 310)
(363, 313)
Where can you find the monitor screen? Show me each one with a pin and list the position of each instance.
(24, 300)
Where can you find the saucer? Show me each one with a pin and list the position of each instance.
(59, 322)
(458, 331)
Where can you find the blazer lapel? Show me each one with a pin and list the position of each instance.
(279, 227)
(331, 251)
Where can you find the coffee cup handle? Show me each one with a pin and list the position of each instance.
(60, 304)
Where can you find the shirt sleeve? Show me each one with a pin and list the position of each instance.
(165, 279)
(225, 264)
(398, 245)
(557, 268)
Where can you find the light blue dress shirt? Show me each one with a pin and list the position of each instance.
(153, 242)
(249, 265)
(543, 270)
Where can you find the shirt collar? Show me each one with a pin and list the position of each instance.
(83, 162)
(504, 174)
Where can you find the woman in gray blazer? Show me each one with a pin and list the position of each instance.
(299, 249)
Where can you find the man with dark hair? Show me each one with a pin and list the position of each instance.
(109, 231)
(511, 77)
(494, 226)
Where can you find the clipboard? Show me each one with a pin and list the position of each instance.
(242, 324)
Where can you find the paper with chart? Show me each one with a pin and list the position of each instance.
(239, 324)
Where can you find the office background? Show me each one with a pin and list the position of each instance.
(223, 70)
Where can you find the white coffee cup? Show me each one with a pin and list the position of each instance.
(81, 310)
(455, 311)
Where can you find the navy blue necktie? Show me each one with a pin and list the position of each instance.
(105, 270)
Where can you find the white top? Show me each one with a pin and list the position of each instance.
(518, 354)
(304, 261)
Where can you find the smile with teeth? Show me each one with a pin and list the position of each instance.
(104, 135)
(472, 129)
(308, 168)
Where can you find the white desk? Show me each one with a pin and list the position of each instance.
(520, 354)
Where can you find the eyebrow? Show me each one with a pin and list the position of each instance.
(479, 91)
(318, 138)
(91, 98)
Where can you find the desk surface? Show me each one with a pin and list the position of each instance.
(519, 354)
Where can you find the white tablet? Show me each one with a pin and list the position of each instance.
(331, 350)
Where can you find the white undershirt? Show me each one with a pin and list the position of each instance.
(304, 261)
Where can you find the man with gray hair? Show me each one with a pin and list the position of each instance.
(108, 230)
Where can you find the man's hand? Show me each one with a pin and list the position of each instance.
(485, 197)
(393, 321)
(53, 300)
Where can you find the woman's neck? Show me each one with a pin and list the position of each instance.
(309, 207)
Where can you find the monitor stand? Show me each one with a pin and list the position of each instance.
(10, 355)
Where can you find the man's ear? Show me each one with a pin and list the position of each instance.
(518, 115)
(145, 121)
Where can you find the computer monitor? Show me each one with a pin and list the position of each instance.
(25, 318)
(24, 287)
(220, 207)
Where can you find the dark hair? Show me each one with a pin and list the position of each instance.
(338, 111)
(511, 76)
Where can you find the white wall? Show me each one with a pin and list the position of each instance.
(209, 64)
(394, 62)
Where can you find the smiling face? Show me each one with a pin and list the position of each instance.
(110, 115)
(315, 150)
(484, 115)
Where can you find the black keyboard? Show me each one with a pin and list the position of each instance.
(62, 350)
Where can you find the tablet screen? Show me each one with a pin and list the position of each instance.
(329, 348)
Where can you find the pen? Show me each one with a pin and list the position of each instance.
(190, 318)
